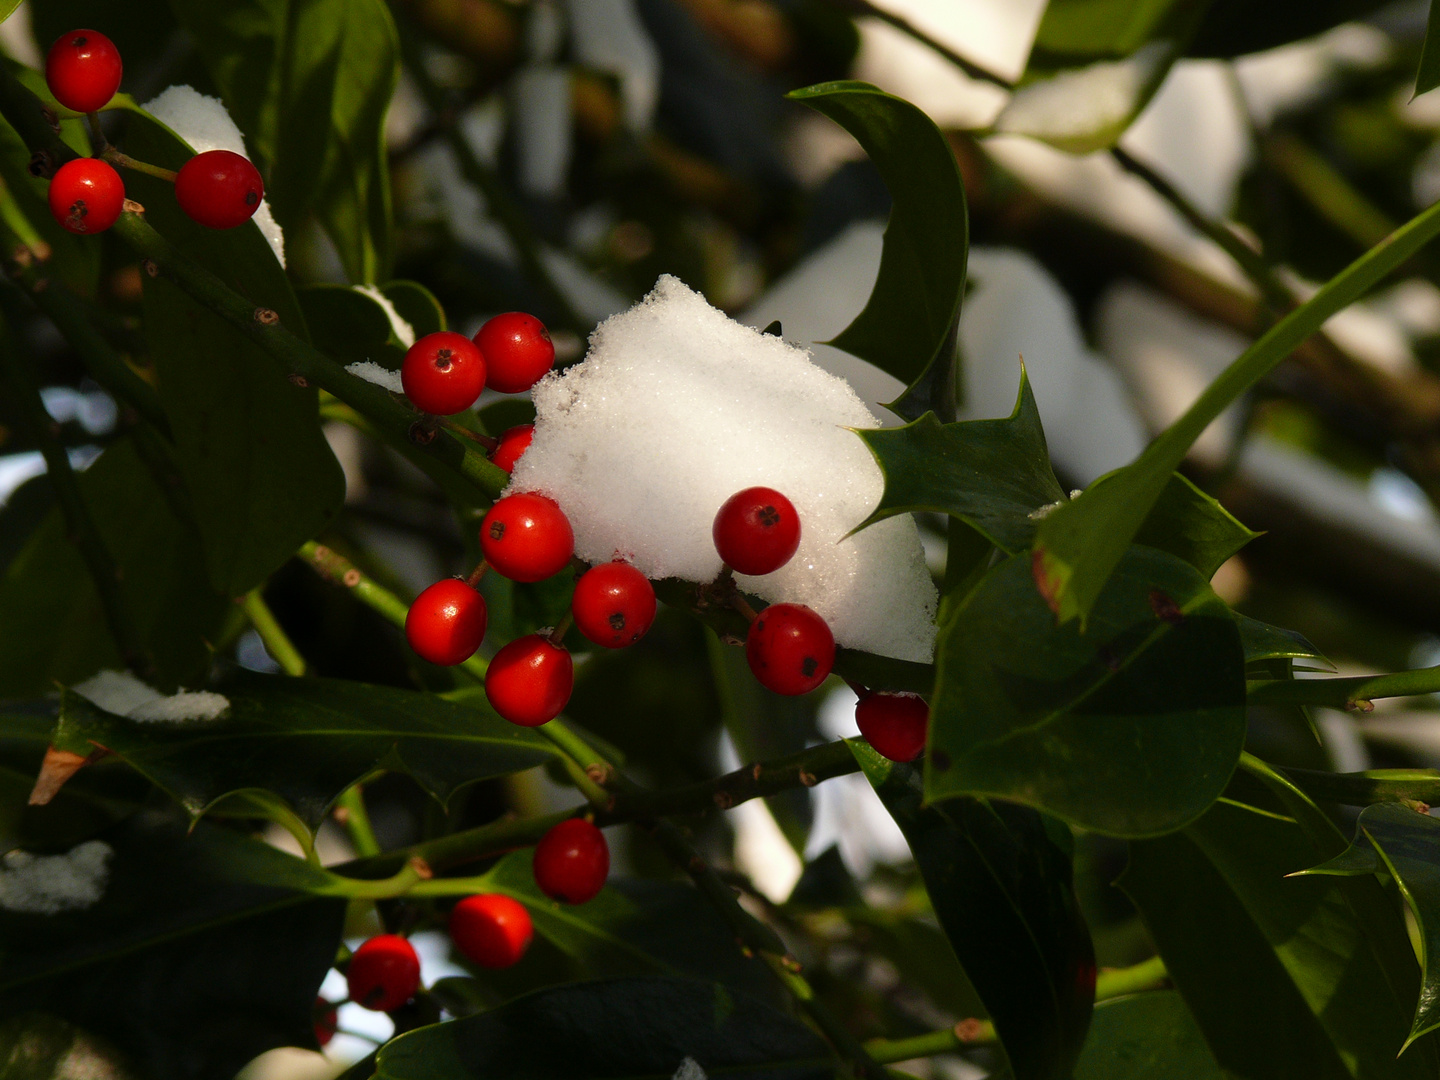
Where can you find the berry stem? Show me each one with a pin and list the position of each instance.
(474, 436)
(125, 161)
(356, 820)
(97, 135)
(272, 634)
(474, 577)
(557, 635)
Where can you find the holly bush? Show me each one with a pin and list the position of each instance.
(1128, 855)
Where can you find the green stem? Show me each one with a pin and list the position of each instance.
(944, 1041)
(1146, 975)
(38, 426)
(1079, 545)
(1365, 788)
(499, 202)
(1354, 693)
(277, 643)
(333, 566)
(356, 820)
(1332, 196)
(125, 161)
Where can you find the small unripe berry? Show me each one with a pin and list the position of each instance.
(513, 442)
(526, 537)
(756, 531)
(529, 680)
(83, 70)
(446, 623)
(384, 973)
(614, 605)
(790, 649)
(572, 861)
(86, 195)
(219, 189)
(443, 373)
(518, 349)
(491, 929)
(894, 724)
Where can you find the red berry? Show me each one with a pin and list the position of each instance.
(790, 649)
(572, 861)
(527, 537)
(86, 195)
(384, 973)
(491, 929)
(756, 531)
(83, 70)
(614, 605)
(327, 1019)
(219, 188)
(513, 442)
(518, 349)
(446, 623)
(443, 373)
(529, 681)
(894, 724)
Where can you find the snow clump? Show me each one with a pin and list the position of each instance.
(121, 693)
(378, 374)
(49, 884)
(674, 409)
(203, 122)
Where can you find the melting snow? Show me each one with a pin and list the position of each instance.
(380, 376)
(121, 693)
(203, 122)
(689, 1070)
(675, 408)
(47, 884)
(404, 332)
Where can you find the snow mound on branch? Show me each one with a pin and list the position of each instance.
(121, 693)
(203, 122)
(377, 374)
(674, 409)
(49, 884)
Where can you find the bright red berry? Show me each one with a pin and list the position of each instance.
(790, 648)
(529, 681)
(86, 195)
(446, 623)
(513, 442)
(491, 929)
(384, 973)
(83, 70)
(614, 605)
(327, 1019)
(756, 531)
(443, 373)
(220, 189)
(572, 861)
(518, 349)
(894, 724)
(526, 537)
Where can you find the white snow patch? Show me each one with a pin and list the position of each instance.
(1084, 109)
(403, 331)
(380, 376)
(121, 693)
(689, 1070)
(675, 408)
(49, 884)
(203, 122)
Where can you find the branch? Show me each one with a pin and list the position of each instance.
(1364, 788)
(1355, 693)
(38, 426)
(277, 643)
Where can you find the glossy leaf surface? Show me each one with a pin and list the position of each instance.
(1002, 891)
(908, 326)
(306, 740)
(1149, 1036)
(1131, 727)
(1284, 976)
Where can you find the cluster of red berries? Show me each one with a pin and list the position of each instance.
(492, 930)
(219, 189)
(444, 373)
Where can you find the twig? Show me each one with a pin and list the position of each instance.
(277, 643)
(970, 67)
(351, 813)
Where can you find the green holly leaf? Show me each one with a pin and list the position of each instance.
(1396, 841)
(1149, 1036)
(1130, 728)
(908, 326)
(1002, 891)
(306, 741)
